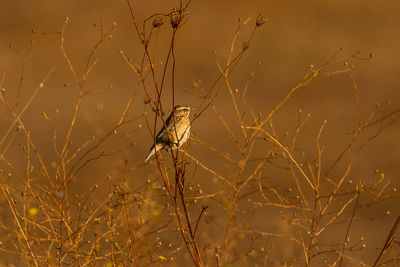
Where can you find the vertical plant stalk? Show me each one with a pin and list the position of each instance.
(348, 228)
(388, 241)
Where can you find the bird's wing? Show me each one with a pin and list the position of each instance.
(162, 135)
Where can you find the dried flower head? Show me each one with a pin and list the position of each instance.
(158, 21)
(260, 20)
(245, 45)
(176, 17)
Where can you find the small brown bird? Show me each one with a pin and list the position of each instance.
(175, 132)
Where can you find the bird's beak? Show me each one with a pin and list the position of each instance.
(192, 109)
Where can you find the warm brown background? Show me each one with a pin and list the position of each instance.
(297, 34)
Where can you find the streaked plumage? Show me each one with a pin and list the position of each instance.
(176, 132)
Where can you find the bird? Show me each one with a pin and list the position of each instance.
(174, 133)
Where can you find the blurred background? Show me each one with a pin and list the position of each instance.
(297, 34)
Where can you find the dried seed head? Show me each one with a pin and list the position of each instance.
(176, 17)
(245, 45)
(158, 21)
(260, 20)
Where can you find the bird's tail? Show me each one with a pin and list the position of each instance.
(153, 150)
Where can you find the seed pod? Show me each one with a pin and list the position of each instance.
(176, 17)
(260, 20)
(158, 21)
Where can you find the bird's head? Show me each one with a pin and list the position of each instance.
(182, 110)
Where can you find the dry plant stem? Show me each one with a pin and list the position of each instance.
(188, 237)
(6, 194)
(182, 228)
(224, 123)
(319, 167)
(348, 229)
(315, 182)
(323, 211)
(91, 63)
(338, 213)
(158, 91)
(349, 166)
(132, 234)
(233, 61)
(18, 119)
(61, 168)
(198, 219)
(27, 183)
(357, 98)
(388, 241)
(220, 177)
(189, 223)
(213, 149)
(312, 235)
(339, 158)
(22, 73)
(310, 75)
(266, 199)
(227, 83)
(300, 125)
(287, 154)
(231, 208)
(145, 42)
(106, 136)
(60, 237)
(289, 237)
(388, 115)
(244, 100)
(284, 100)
